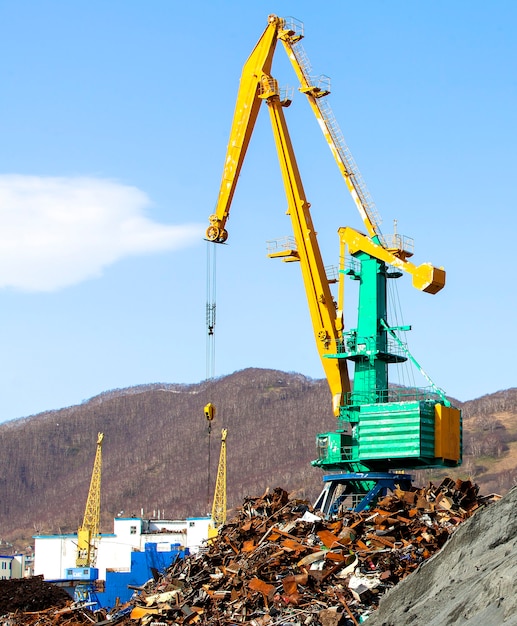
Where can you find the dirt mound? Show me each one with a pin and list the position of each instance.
(471, 581)
(30, 595)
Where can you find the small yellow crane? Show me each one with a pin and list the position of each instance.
(85, 573)
(88, 533)
(219, 504)
(218, 517)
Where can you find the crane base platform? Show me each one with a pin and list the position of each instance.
(358, 491)
(82, 573)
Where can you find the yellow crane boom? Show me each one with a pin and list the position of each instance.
(257, 85)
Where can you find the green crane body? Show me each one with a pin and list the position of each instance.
(379, 428)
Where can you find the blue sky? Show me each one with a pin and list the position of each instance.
(114, 119)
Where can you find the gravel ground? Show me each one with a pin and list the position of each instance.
(472, 580)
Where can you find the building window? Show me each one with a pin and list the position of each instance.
(132, 530)
(4, 565)
(192, 524)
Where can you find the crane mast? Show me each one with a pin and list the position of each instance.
(378, 431)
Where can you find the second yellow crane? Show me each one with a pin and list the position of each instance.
(218, 517)
(88, 533)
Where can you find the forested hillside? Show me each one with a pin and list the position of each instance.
(157, 449)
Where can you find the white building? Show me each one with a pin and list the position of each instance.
(15, 566)
(54, 554)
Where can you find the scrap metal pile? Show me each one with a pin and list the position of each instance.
(277, 562)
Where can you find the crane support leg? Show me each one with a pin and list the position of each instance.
(358, 491)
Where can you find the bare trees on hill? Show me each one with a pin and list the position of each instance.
(156, 448)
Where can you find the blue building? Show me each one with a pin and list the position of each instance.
(125, 558)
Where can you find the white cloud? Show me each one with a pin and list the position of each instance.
(57, 232)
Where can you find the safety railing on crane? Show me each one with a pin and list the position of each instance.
(269, 87)
(353, 346)
(285, 246)
(393, 394)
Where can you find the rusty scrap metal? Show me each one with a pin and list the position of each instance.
(277, 561)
